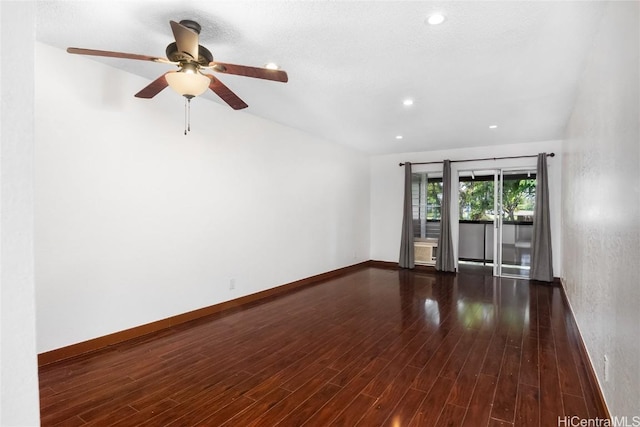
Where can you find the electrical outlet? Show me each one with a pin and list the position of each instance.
(232, 284)
(606, 368)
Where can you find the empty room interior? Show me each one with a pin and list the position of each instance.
(319, 213)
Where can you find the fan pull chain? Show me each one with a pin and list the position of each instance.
(187, 115)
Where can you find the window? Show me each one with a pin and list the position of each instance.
(427, 197)
(518, 197)
(475, 198)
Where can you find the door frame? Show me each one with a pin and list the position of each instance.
(498, 226)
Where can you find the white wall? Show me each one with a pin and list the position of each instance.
(601, 207)
(19, 405)
(387, 181)
(136, 222)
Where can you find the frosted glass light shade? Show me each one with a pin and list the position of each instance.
(436, 19)
(188, 84)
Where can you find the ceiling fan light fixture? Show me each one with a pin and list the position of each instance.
(188, 83)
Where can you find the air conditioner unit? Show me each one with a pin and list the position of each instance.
(425, 252)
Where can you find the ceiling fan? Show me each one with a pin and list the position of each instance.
(191, 58)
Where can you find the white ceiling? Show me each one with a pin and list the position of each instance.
(514, 64)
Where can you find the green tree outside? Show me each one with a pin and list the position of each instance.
(518, 195)
(434, 199)
(476, 199)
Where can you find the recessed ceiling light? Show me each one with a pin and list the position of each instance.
(435, 19)
(407, 102)
(493, 126)
(398, 136)
(271, 66)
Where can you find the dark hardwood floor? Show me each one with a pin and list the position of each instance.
(373, 348)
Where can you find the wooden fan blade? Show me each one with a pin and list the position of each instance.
(243, 70)
(154, 88)
(110, 54)
(226, 94)
(186, 39)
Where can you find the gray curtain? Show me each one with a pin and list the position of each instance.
(541, 259)
(444, 253)
(407, 259)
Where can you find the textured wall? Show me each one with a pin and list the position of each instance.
(18, 364)
(601, 207)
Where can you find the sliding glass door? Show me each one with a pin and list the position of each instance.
(516, 199)
(496, 221)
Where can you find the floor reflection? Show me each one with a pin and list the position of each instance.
(470, 301)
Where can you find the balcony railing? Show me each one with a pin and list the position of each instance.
(476, 240)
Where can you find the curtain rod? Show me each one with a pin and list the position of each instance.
(477, 160)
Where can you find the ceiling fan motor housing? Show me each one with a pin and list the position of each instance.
(173, 54)
(192, 25)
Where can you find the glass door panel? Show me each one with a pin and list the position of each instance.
(517, 190)
(476, 207)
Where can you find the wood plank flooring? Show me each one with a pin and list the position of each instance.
(373, 348)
